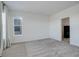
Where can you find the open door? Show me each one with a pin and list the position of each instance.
(66, 30)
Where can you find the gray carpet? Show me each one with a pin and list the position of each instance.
(42, 48)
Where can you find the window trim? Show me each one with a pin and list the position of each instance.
(21, 19)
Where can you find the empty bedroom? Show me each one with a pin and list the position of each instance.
(39, 28)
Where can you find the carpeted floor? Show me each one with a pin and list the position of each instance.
(42, 48)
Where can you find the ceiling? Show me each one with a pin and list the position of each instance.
(40, 7)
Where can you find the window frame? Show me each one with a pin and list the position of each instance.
(21, 25)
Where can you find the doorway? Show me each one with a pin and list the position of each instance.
(66, 30)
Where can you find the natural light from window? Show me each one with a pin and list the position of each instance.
(3, 25)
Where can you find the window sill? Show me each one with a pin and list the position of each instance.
(18, 35)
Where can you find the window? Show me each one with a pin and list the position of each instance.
(17, 25)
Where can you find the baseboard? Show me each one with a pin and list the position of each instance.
(74, 44)
(28, 41)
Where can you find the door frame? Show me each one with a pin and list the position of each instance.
(62, 28)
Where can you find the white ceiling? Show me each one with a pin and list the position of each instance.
(40, 7)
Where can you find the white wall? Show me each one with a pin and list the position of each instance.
(55, 24)
(35, 27)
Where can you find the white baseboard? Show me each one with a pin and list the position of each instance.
(28, 41)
